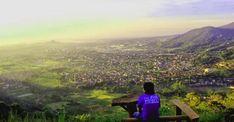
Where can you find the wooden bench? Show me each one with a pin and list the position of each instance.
(129, 102)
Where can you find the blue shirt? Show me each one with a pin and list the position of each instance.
(150, 105)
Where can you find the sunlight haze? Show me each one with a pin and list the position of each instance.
(31, 20)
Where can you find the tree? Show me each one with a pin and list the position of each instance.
(192, 99)
(178, 87)
(229, 100)
(215, 102)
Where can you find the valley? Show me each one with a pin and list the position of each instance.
(81, 79)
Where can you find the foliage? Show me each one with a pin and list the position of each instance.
(166, 110)
(229, 100)
(192, 99)
(211, 117)
(83, 117)
(61, 117)
(176, 89)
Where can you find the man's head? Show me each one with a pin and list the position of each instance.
(149, 88)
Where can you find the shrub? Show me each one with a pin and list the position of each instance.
(211, 117)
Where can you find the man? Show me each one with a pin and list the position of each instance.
(148, 104)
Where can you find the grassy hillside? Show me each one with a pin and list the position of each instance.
(76, 81)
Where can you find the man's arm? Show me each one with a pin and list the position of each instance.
(140, 109)
(140, 104)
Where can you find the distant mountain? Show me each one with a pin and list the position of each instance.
(202, 38)
(228, 26)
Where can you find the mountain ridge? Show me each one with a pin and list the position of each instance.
(228, 26)
(203, 37)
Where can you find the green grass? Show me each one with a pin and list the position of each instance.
(57, 105)
(98, 98)
(94, 117)
(46, 79)
(101, 95)
(103, 112)
(211, 117)
(97, 101)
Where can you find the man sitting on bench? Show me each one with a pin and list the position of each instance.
(148, 104)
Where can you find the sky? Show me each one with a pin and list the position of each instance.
(35, 20)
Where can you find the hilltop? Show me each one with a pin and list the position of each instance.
(202, 38)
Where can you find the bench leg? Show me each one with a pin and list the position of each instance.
(178, 112)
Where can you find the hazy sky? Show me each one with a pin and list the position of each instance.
(28, 20)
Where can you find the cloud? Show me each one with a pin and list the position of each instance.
(49, 18)
(195, 8)
(26, 11)
(15, 12)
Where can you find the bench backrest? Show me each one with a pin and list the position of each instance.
(186, 109)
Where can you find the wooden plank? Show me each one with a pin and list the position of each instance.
(127, 101)
(174, 118)
(132, 98)
(186, 109)
(161, 118)
(130, 120)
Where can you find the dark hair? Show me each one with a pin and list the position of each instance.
(149, 88)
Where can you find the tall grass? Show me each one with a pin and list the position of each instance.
(211, 117)
(63, 117)
(116, 116)
(35, 117)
